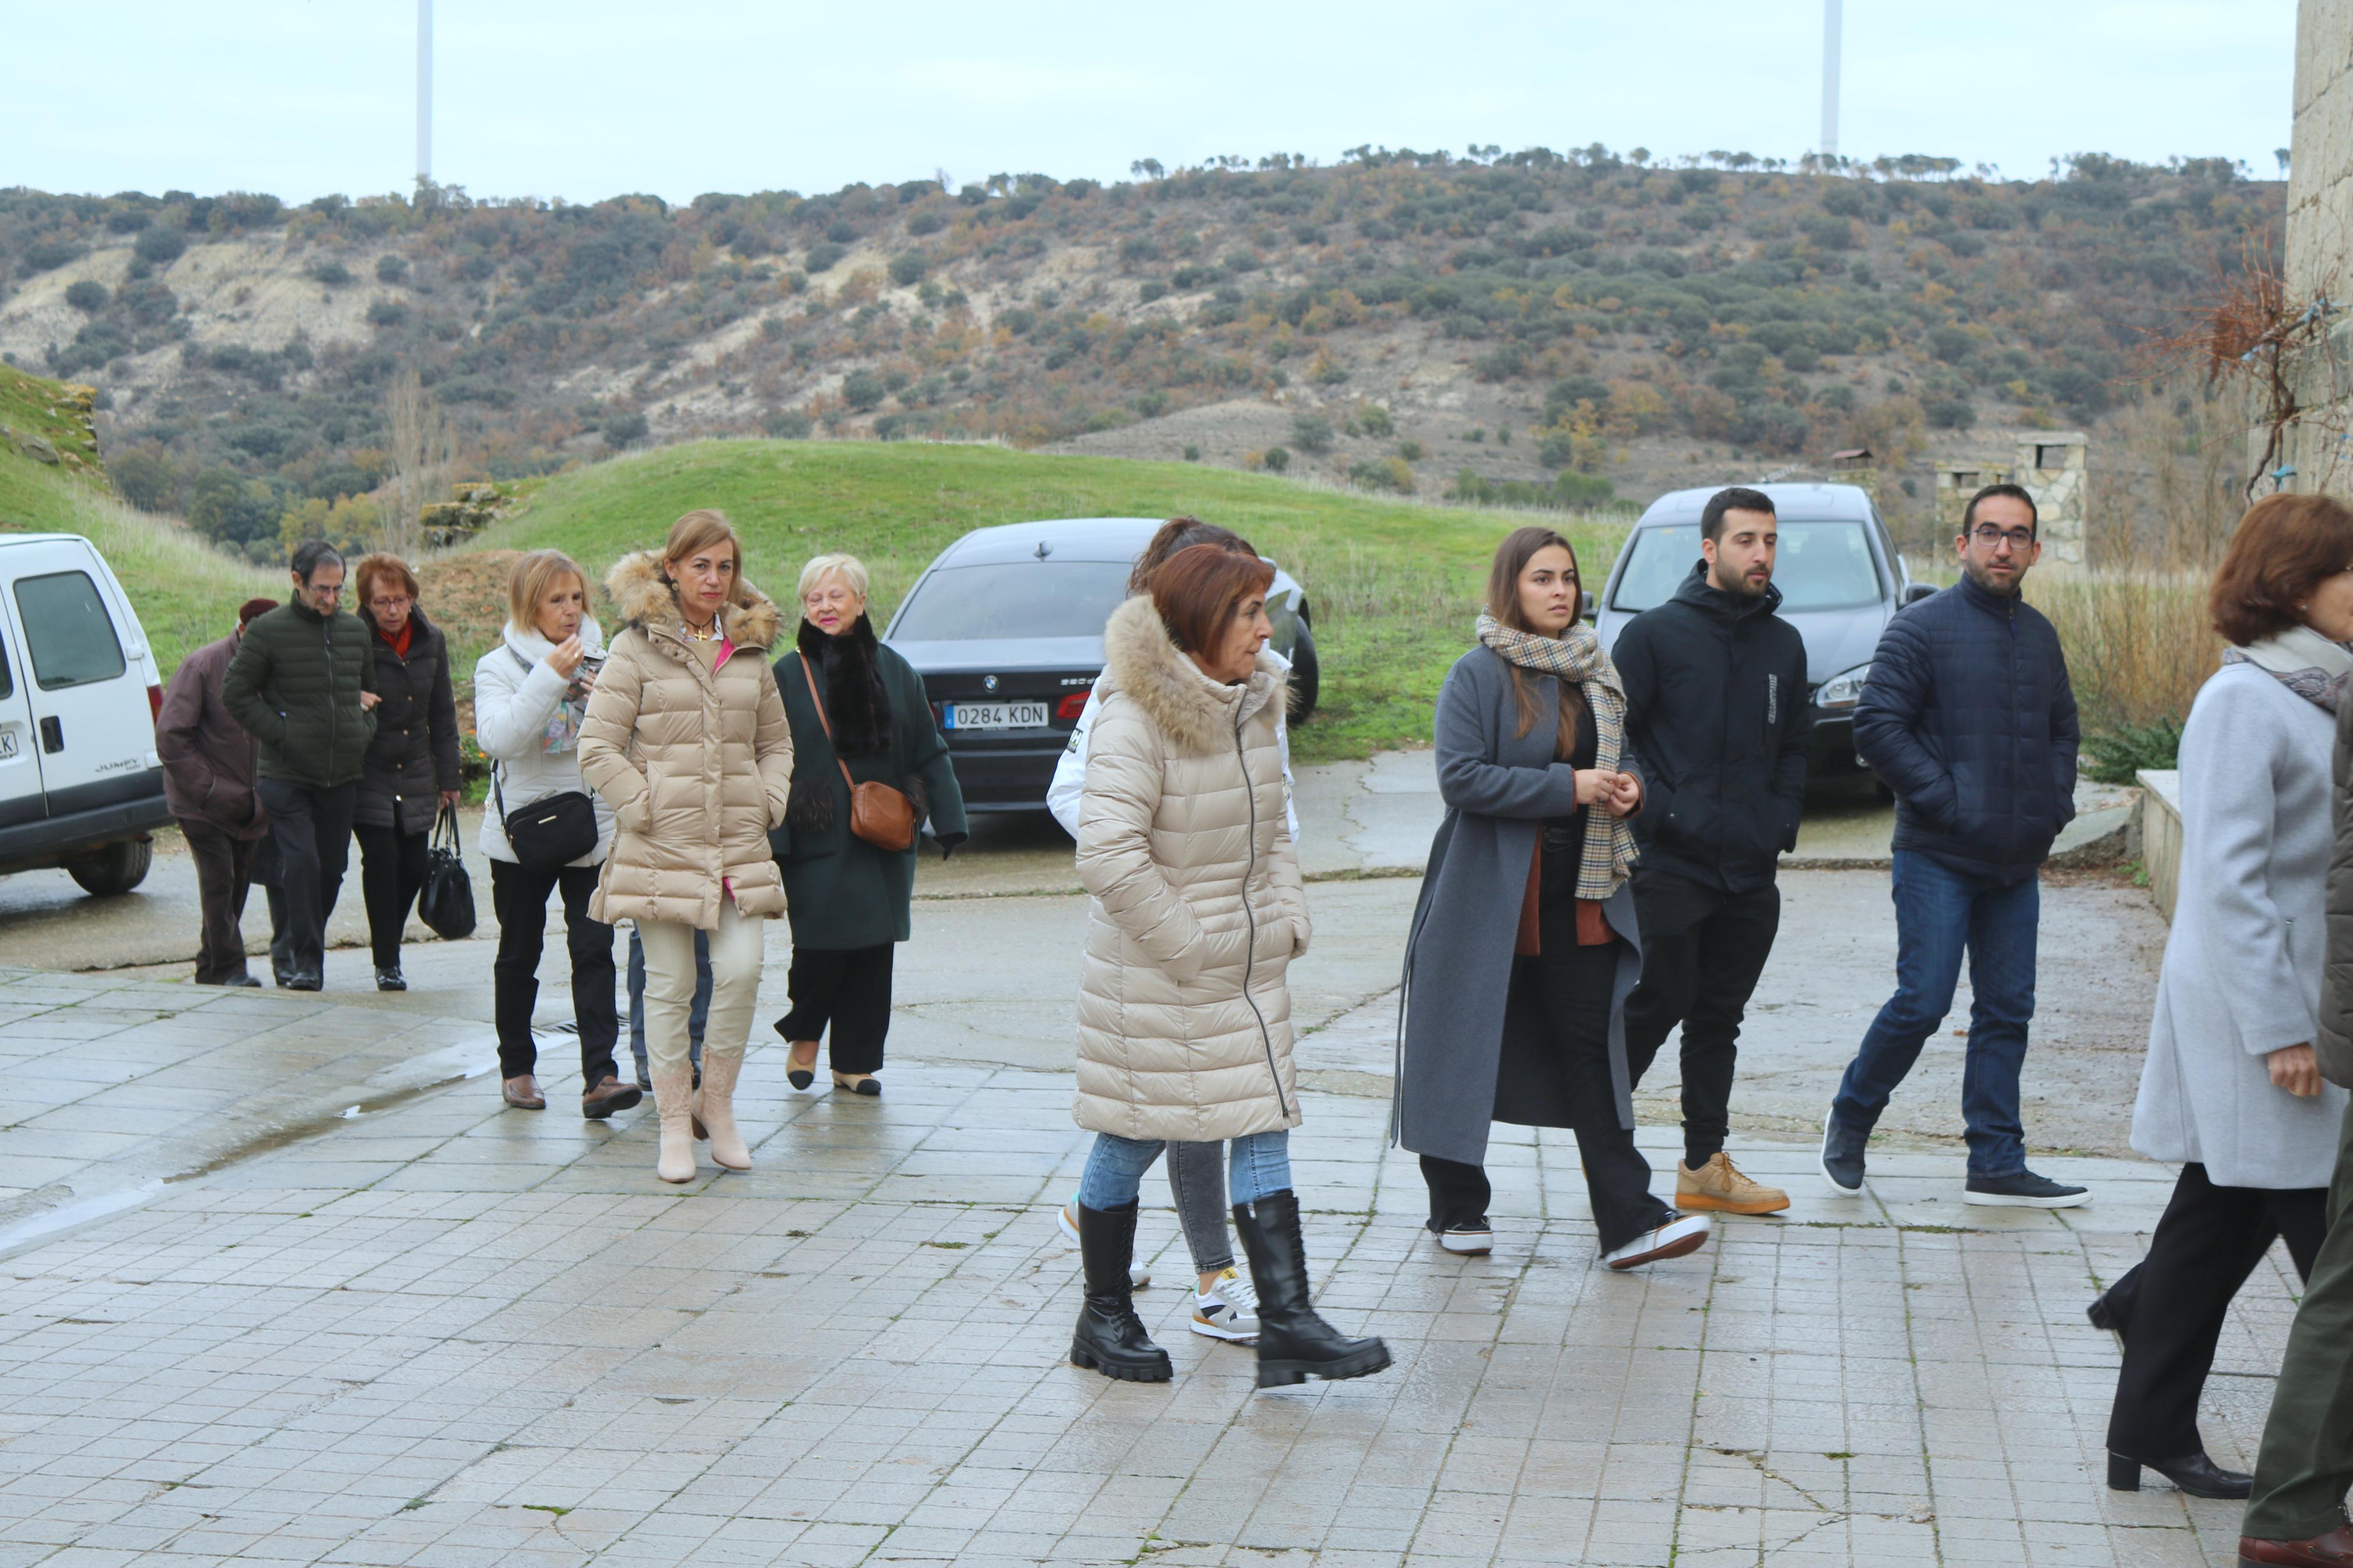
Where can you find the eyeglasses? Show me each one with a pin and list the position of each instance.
(397, 602)
(1993, 538)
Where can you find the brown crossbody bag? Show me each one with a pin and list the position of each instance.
(880, 814)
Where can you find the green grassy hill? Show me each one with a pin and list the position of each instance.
(1393, 586)
(186, 591)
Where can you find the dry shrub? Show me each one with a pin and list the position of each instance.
(2138, 645)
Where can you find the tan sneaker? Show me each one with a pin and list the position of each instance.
(1719, 1185)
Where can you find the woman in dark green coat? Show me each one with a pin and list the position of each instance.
(849, 900)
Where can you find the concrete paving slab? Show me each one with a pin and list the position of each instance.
(846, 1354)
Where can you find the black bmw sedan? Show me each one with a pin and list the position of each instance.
(1005, 628)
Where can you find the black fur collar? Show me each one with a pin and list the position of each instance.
(856, 705)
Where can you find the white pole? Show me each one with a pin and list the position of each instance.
(424, 88)
(1831, 9)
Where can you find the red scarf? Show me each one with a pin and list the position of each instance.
(400, 644)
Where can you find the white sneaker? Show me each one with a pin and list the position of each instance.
(1681, 1234)
(1227, 1310)
(1066, 1220)
(1476, 1239)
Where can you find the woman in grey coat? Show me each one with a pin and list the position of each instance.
(1524, 947)
(2230, 1091)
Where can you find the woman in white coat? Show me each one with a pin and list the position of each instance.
(2230, 1089)
(529, 694)
(1225, 1304)
(1196, 913)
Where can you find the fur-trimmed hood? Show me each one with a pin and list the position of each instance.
(1141, 660)
(649, 600)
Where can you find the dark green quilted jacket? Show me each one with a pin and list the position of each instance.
(295, 683)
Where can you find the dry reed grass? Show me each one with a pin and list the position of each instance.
(2139, 644)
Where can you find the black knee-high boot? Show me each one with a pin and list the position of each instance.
(1110, 1337)
(1292, 1341)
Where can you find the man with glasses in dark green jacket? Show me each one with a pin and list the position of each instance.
(303, 683)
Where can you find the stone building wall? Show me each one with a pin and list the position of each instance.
(2320, 166)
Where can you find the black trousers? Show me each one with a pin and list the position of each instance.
(1571, 985)
(224, 873)
(849, 988)
(2209, 1240)
(311, 828)
(519, 897)
(392, 868)
(1702, 949)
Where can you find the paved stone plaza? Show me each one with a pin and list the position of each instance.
(440, 1332)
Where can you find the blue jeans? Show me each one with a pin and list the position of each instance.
(1262, 1166)
(696, 1019)
(1939, 912)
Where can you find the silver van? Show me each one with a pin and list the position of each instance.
(80, 785)
(1840, 579)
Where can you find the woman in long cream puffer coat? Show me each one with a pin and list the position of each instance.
(1197, 912)
(685, 738)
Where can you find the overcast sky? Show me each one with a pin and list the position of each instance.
(585, 98)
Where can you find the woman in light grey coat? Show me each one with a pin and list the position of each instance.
(1523, 948)
(2230, 1089)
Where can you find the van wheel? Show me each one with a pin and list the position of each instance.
(117, 868)
(1306, 675)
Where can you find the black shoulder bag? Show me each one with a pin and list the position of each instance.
(551, 832)
(446, 901)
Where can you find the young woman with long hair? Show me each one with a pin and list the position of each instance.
(1523, 946)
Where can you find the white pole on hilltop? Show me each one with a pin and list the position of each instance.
(1831, 9)
(424, 88)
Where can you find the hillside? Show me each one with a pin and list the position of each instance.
(1528, 326)
(186, 591)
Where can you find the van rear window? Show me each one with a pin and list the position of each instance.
(68, 636)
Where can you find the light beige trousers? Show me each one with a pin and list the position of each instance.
(736, 949)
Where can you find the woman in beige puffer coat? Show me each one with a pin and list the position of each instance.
(686, 738)
(1197, 912)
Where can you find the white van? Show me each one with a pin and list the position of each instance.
(80, 785)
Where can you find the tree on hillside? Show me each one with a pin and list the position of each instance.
(423, 451)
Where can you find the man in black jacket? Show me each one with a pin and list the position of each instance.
(1967, 715)
(1715, 705)
(304, 684)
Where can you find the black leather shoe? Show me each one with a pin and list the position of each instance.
(1293, 1343)
(302, 982)
(1110, 1338)
(2196, 1473)
(390, 980)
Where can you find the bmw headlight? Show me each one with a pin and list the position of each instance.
(1843, 690)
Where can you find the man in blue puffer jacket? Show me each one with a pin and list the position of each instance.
(1969, 717)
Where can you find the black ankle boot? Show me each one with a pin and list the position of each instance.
(1292, 1341)
(1110, 1337)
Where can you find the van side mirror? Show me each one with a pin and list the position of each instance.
(1915, 592)
(1588, 608)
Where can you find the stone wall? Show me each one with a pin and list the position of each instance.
(2320, 167)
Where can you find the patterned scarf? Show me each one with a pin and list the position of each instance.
(1609, 851)
(2304, 661)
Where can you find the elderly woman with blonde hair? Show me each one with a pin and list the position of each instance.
(860, 718)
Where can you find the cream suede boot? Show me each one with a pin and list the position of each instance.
(714, 1110)
(673, 1101)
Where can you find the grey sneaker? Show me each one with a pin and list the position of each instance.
(1843, 1156)
(1228, 1309)
(2023, 1190)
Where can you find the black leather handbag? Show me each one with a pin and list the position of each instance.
(446, 901)
(551, 832)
